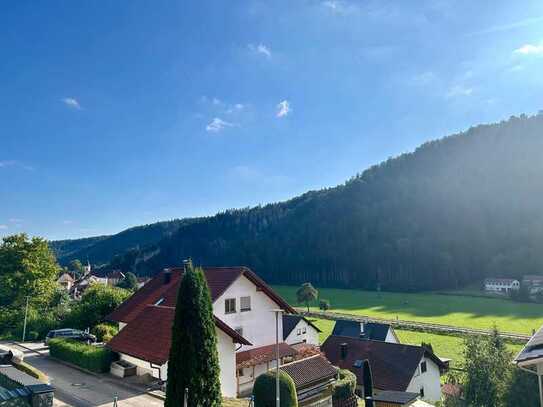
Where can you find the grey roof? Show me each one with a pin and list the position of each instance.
(372, 330)
(533, 349)
(395, 397)
(18, 376)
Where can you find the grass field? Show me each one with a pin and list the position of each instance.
(457, 310)
(444, 346)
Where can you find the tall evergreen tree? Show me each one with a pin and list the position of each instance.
(194, 362)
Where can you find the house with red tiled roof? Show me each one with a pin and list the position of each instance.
(245, 325)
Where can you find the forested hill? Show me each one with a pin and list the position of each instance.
(448, 214)
(102, 249)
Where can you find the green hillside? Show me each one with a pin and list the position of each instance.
(447, 215)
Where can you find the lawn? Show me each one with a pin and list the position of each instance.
(457, 310)
(444, 346)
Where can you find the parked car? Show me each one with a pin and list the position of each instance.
(68, 333)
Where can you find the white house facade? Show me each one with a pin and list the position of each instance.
(501, 285)
(243, 306)
(426, 380)
(297, 329)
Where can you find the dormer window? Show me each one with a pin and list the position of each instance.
(160, 301)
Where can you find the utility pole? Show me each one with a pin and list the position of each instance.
(277, 392)
(26, 315)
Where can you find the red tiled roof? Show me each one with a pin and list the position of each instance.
(263, 354)
(218, 280)
(392, 364)
(306, 372)
(148, 336)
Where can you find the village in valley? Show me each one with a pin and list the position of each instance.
(287, 203)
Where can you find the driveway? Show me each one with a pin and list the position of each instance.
(79, 389)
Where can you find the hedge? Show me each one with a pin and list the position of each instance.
(264, 390)
(93, 358)
(345, 386)
(104, 332)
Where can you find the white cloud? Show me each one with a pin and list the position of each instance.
(3, 227)
(14, 163)
(283, 108)
(67, 222)
(216, 125)
(516, 68)
(71, 103)
(238, 107)
(216, 101)
(15, 220)
(261, 49)
(459, 90)
(529, 49)
(339, 7)
(510, 26)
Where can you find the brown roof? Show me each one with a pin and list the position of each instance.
(306, 372)
(263, 354)
(218, 280)
(393, 365)
(148, 336)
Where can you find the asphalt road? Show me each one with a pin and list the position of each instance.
(79, 389)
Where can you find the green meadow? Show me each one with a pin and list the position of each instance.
(444, 346)
(457, 310)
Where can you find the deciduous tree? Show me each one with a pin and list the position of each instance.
(306, 294)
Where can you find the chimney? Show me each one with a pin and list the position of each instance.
(167, 276)
(343, 348)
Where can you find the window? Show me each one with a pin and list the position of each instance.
(239, 330)
(245, 304)
(421, 392)
(160, 301)
(423, 367)
(230, 306)
(240, 372)
(299, 331)
(304, 330)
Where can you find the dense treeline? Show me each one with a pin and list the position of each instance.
(102, 249)
(452, 212)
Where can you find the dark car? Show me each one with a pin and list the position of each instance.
(68, 333)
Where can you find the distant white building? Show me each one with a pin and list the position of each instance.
(66, 281)
(501, 285)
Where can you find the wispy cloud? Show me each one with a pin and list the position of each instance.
(508, 26)
(67, 222)
(15, 163)
(458, 90)
(283, 108)
(339, 7)
(3, 227)
(238, 107)
(71, 103)
(530, 49)
(217, 125)
(261, 49)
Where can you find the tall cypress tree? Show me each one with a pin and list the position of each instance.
(194, 361)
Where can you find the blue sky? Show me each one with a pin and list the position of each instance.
(115, 114)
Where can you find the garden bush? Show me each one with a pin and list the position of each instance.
(264, 390)
(344, 387)
(94, 358)
(104, 332)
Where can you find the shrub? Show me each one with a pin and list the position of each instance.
(324, 305)
(94, 358)
(104, 332)
(264, 390)
(345, 386)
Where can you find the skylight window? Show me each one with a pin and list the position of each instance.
(160, 301)
(358, 363)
